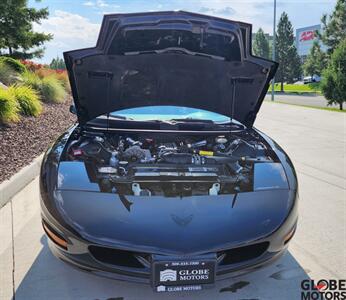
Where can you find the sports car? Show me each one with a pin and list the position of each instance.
(164, 179)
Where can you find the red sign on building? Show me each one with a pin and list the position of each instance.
(307, 36)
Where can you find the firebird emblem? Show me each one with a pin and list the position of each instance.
(182, 221)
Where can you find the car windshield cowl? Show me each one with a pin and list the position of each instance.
(168, 117)
(174, 124)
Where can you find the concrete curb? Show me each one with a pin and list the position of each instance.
(18, 181)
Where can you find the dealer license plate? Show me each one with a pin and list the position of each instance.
(182, 275)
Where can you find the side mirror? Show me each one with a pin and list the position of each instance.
(73, 109)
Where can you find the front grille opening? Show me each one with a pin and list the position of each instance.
(241, 254)
(116, 257)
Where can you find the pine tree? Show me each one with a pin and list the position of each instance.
(334, 26)
(16, 29)
(261, 44)
(286, 52)
(316, 60)
(57, 64)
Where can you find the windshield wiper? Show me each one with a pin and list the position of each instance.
(192, 120)
(177, 122)
(207, 121)
(232, 124)
(119, 117)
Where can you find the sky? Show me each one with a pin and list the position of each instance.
(75, 24)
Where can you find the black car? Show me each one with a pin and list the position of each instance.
(164, 180)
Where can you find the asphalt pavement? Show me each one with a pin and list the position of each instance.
(304, 99)
(316, 142)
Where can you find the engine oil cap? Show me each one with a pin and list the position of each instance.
(221, 139)
(107, 170)
(123, 163)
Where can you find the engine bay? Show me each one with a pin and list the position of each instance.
(170, 164)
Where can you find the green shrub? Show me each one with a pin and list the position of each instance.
(31, 79)
(8, 75)
(333, 83)
(63, 78)
(61, 75)
(52, 90)
(27, 99)
(49, 88)
(8, 107)
(13, 63)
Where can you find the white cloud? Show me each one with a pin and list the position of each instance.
(253, 11)
(260, 12)
(70, 31)
(89, 3)
(227, 10)
(101, 3)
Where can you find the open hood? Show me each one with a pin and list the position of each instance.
(169, 58)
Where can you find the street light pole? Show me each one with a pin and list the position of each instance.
(273, 46)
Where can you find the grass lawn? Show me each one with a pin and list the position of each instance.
(297, 88)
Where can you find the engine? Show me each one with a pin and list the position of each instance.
(168, 164)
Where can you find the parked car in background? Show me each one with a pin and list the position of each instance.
(311, 79)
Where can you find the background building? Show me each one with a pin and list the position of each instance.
(305, 38)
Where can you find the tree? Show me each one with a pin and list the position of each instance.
(333, 83)
(16, 29)
(316, 60)
(57, 64)
(261, 44)
(286, 52)
(334, 26)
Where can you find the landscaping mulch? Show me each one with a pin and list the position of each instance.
(21, 142)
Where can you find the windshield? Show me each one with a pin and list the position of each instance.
(165, 113)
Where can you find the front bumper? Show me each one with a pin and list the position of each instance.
(262, 253)
(250, 255)
(88, 264)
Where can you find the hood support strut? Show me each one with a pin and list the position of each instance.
(234, 81)
(108, 76)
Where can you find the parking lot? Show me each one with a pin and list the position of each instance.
(316, 142)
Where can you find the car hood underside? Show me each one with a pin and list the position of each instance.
(169, 58)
